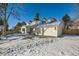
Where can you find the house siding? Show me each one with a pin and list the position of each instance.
(51, 31)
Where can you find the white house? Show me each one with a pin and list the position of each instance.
(24, 29)
(53, 29)
(49, 29)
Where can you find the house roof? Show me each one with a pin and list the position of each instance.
(57, 23)
(23, 26)
(75, 22)
(39, 23)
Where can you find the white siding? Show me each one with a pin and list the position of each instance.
(23, 27)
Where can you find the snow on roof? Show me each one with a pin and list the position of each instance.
(33, 23)
(57, 23)
(23, 26)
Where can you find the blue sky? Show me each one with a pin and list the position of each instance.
(45, 10)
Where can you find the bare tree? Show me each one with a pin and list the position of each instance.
(7, 10)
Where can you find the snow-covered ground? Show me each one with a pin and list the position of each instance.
(36, 46)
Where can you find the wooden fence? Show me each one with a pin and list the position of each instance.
(71, 31)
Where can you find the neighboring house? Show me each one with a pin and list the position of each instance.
(53, 29)
(74, 24)
(73, 27)
(18, 26)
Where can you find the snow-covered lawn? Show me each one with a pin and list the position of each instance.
(36, 46)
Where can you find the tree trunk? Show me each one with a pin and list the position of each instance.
(5, 22)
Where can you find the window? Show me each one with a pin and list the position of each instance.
(55, 28)
(23, 29)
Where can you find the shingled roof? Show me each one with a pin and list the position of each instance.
(75, 22)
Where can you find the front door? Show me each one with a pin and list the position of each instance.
(23, 30)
